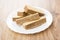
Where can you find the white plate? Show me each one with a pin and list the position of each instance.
(13, 26)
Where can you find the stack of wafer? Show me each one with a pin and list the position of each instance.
(30, 18)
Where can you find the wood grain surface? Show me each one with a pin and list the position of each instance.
(52, 33)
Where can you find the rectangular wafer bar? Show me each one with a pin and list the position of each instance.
(22, 14)
(28, 18)
(15, 18)
(33, 24)
(30, 9)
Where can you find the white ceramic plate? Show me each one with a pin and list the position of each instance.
(13, 26)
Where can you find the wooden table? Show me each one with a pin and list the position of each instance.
(52, 33)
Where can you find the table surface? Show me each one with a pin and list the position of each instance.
(52, 33)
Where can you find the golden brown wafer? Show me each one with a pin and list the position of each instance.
(33, 24)
(31, 17)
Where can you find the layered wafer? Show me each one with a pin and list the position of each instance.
(36, 23)
(31, 17)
